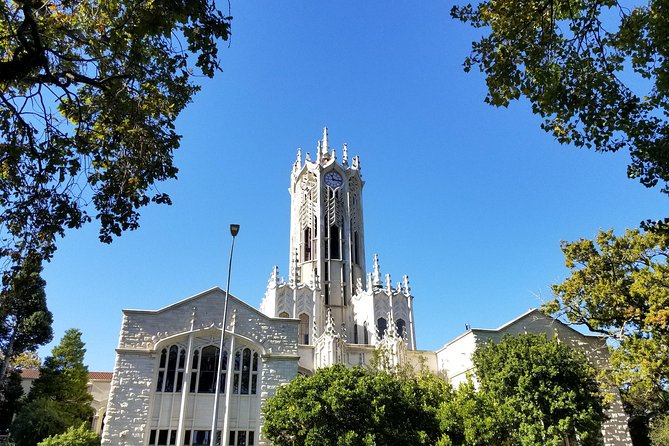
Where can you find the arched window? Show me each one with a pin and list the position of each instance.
(203, 369)
(207, 370)
(401, 327)
(245, 377)
(303, 335)
(171, 369)
(381, 326)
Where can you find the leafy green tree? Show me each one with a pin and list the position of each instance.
(354, 406)
(532, 391)
(11, 392)
(596, 71)
(25, 321)
(659, 433)
(37, 419)
(90, 91)
(25, 360)
(73, 436)
(59, 398)
(619, 286)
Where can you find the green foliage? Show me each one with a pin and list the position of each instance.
(38, 419)
(73, 436)
(532, 391)
(25, 360)
(11, 392)
(659, 432)
(354, 406)
(89, 94)
(64, 377)
(594, 70)
(25, 321)
(619, 286)
(59, 398)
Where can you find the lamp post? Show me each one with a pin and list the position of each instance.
(234, 230)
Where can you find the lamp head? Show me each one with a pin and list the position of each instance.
(234, 230)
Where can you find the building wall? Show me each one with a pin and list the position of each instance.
(135, 407)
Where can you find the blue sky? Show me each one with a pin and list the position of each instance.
(468, 200)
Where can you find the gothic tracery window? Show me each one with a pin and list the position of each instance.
(401, 327)
(171, 369)
(381, 326)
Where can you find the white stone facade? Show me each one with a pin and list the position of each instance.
(165, 398)
(329, 311)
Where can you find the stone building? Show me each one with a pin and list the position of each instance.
(328, 310)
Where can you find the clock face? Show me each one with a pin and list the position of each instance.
(333, 179)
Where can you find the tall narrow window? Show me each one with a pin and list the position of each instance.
(224, 370)
(208, 362)
(355, 333)
(171, 368)
(180, 370)
(193, 374)
(307, 243)
(335, 242)
(365, 331)
(303, 335)
(381, 326)
(246, 371)
(401, 326)
(254, 375)
(235, 377)
(356, 252)
(161, 371)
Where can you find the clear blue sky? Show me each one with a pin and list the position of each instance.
(470, 201)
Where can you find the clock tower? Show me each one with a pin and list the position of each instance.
(326, 228)
(328, 289)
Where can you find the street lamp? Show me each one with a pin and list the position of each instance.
(234, 230)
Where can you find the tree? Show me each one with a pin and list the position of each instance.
(354, 406)
(596, 71)
(59, 398)
(25, 321)
(38, 419)
(25, 360)
(90, 93)
(73, 436)
(11, 392)
(619, 286)
(659, 433)
(532, 391)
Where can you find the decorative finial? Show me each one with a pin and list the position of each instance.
(299, 156)
(344, 155)
(388, 284)
(324, 146)
(308, 157)
(377, 273)
(334, 154)
(274, 276)
(407, 289)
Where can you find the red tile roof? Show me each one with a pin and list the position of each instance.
(93, 376)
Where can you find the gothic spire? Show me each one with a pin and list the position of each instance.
(324, 146)
(376, 281)
(344, 155)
